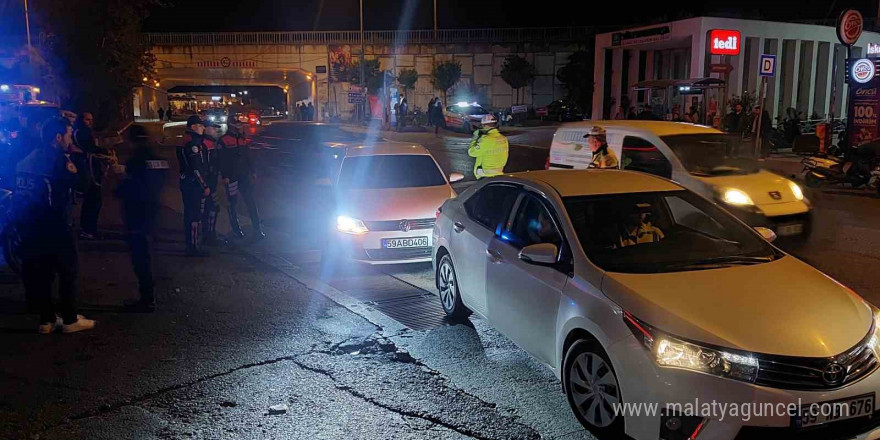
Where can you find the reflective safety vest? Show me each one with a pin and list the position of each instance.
(490, 151)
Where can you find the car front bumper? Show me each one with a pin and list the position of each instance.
(779, 217)
(367, 248)
(643, 382)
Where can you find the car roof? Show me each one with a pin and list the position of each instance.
(570, 183)
(659, 128)
(386, 148)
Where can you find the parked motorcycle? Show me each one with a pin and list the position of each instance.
(859, 167)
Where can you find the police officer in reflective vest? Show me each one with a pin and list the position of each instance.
(45, 180)
(489, 147)
(603, 157)
(145, 175)
(193, 186)
(239, 177)
(212, 203)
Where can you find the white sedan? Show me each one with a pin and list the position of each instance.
(387, 196)
(636, 291)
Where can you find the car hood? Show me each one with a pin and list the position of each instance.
(394, 203)
(784, 307)
(757, 185)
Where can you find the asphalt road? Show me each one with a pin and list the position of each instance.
(253, 326)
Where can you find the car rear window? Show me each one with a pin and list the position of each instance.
(389, 171)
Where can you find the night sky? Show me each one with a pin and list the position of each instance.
(237, 15)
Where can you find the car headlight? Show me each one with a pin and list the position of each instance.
(796, 190)
(223, 118)
(874, 342)
(350, 225)
(736, 197)
(670, 352)
(212, 117)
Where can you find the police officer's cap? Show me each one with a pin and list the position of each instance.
(596, 132)
(193, 120)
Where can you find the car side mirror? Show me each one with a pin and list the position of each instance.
(767, 233)
(456, 177)
(541, 253)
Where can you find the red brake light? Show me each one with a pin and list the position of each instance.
(547, 164)
(437, 214)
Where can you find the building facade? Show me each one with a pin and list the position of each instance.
(809, 72)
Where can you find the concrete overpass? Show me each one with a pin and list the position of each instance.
(303, 63)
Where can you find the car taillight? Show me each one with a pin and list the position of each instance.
(437, 214)
(547, 164)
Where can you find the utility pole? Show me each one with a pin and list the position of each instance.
(27, 25)
(435, 19)
(363, 61)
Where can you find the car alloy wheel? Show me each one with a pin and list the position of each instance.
(447, 286)
(592, 389)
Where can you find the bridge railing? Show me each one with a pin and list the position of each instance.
(445, 36)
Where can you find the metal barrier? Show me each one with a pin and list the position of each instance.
(446, 36)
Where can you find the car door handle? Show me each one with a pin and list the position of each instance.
(458, 227)
(494, 256)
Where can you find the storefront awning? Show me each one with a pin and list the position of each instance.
(693, 83)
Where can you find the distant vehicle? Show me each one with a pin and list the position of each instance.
(699, 158)
(560, 110)
(387, 196)
(254, 118)
(464, 116)
(216, 115)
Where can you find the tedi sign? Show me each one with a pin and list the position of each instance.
(724, 42)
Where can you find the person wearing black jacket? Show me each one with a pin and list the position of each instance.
(45, 180)
(238, 176)
(145, 175)
(211, 157)
(96, 163)
(193, 187)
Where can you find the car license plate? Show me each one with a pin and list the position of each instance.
(788, 230)
(402, 243)
(835, 410)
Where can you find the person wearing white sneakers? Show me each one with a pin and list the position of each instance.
(44, 182)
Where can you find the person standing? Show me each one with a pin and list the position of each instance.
(212, 203)
(161, 114)
(45, 180)
(736, 122)
(603, 157)
(310, 111)
(97, 162)
(430, 112)
(193, 186)
(490, 149)
(439, 120)
(401, 117)
(145, 175)
(239, 178)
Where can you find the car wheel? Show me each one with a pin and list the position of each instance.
(592, 389)
(447, 286)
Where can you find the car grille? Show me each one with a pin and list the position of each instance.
(398, 254)
(797, 373)
(395, 225)
(842, 430)
(793, 218)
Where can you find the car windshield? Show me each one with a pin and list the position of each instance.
(472, 110)
(310, 133)
(389, 171)
(660, 232)
(712, 154)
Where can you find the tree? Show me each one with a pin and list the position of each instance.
(97, 51)
(371, 73)
(444, 75)
(407, 79)
(517, 72)
(577, 78)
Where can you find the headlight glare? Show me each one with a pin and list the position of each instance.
(737, 198)
(350, 225)
(796, 190)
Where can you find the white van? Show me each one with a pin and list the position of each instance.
(698, 158)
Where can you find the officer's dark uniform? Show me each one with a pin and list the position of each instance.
(145, 174)
(84, 138)
(212, 203)
(45, 180)
(235, 165)
(193, 170)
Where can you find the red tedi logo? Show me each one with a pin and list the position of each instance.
(724, 42)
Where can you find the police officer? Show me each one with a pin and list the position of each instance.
(145, 174)
(212, 203)
(490, 149)
(45, 180)
(603, 157)
(239, 177)
(193, 186)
